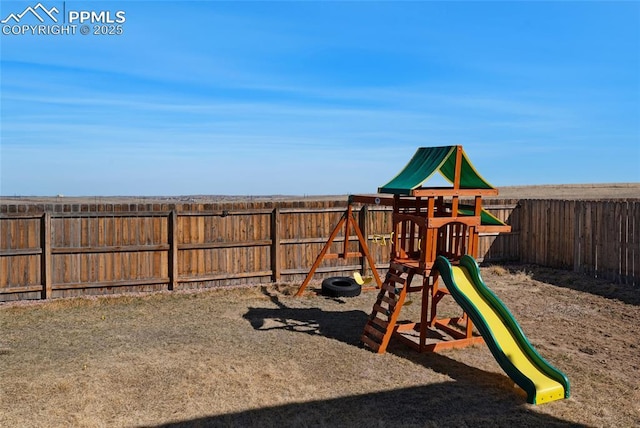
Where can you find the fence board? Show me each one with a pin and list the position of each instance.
(72, 249)
(633, 242)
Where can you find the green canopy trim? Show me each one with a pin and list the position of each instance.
(486, 218)
(429, 160)
(469, 177)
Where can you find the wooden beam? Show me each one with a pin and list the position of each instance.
(104, 284)
(21, 289)
(437, 222)
(321, 256)
(494, 229)
(77, 214)
(45, 259)
(317, 240)
(371, 200)
(224, 275)
(425, 191)
(20, 252)
(173, 251)
(363, 219)
(364, 248)
(298, 271)
(351, 254)
(217, 245)
(276, 266)
(110, 249)
(347, 226)
(348, 221)
(458, 168)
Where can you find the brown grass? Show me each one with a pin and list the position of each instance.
(259, 357)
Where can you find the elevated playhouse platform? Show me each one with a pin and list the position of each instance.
(427, 222)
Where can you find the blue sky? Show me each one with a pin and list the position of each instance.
(318, 97)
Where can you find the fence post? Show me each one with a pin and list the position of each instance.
(173, 249)
(275, 245)
(45, 259)
(363, 219)
(578, 237)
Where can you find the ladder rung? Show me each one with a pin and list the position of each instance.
(388, 288)
(370, 343)
(379, 322)
(379, 309)
(389, 301)
(378, 329)
(395, 278)
(372, 331)
(398, 267)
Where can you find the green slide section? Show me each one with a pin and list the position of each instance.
(540, 380)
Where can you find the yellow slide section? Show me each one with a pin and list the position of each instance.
(541, 381)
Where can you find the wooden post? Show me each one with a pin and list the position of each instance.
(395, 232)
(320, 257)
(173, 249)
(45, 260)
(458, 169)
(275, 245)
(578, 237)
(431, 237)
(362, 220)
(366, 254)
(347, 225)
(347, 221)
(474, 235)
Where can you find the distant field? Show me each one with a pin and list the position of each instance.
(573, 191)
(552, 191)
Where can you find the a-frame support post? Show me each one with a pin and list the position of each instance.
(348, 222)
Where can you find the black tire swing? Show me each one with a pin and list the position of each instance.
(340, 286)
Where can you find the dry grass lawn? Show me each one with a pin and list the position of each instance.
(260, 357)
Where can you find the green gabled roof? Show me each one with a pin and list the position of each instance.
(486, 218)
(429, 160)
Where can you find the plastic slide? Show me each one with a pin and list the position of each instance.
(541, 381)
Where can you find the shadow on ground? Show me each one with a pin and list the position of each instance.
(443, 404)
(345, 326)
(493, 402)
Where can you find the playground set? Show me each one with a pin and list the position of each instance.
(435, 236)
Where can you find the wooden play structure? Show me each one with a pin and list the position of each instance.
(349, 223)
(435, 237)
(427, 222)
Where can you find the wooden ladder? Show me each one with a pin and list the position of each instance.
(382, 321)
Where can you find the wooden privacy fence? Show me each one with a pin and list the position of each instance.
(598, 238)
(66, 250)
(78, 249)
